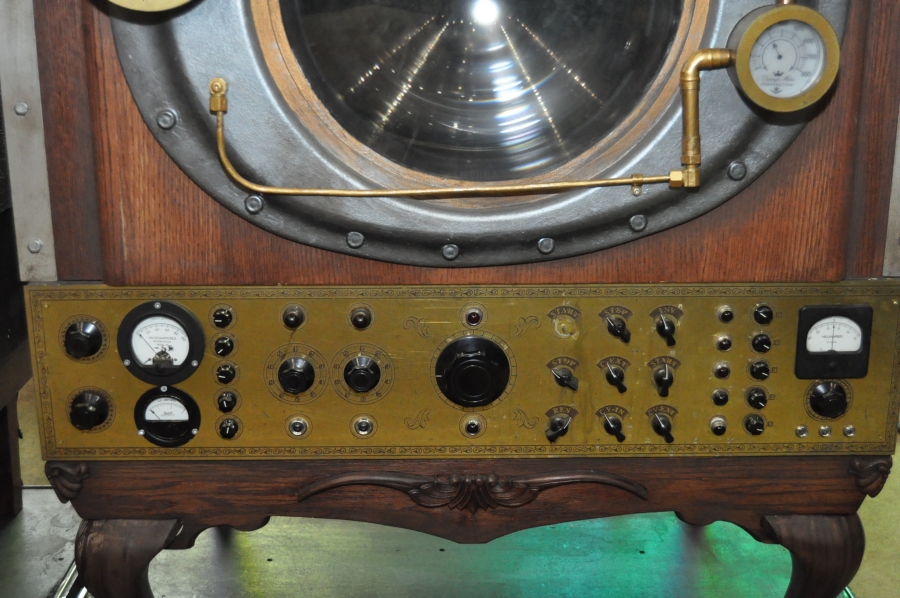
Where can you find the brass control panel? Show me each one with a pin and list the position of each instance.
(444, 372)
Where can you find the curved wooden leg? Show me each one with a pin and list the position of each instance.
(826, 551)
(114, 555)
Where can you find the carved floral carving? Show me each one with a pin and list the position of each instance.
(472, 492)
(871, 473)
(66, 478)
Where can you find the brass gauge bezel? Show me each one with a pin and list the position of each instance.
(753, 26)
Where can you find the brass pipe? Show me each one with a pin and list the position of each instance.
(691, 155)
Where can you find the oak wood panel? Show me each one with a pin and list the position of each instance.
(159, 228)
(67, 128)
(736, 489)
(877, 137)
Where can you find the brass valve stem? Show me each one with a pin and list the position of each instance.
(690, 96)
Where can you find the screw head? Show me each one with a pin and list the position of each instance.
(35, 245)
(825, 431)
(355, 240)
(157, 305)
(737, 171)
(21, 108)
(638, 223)
(450, 252)
(254, 204)
(802, 431)
(126, 363)
(546, 246)
(849, 431)
(166, 119)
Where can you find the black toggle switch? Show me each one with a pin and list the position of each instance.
(662, 425)
(616, 377)
(613, 426)
(565, 378)
(559, 426)
(666, 329)
(618, 328)
(664, 378)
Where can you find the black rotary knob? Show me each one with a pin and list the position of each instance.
(762, 343)
(829, 399)
(618, 328)
(228, 429)
(224, 346)
(665, 327)
(613, 426)
(722, 371)
(362, 374)
(723, 343)
(615, 376)
(757, 398)
(662, 425)
(226, 402)
(226, 373)
(472, 371)
(296, 375)
(763, 314)
(223, 317)
(759, 370)
(755, 424)
(88, 410)
(83, 339)
(720, 397)
(664, 378)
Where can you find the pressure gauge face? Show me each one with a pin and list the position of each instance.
(834, 335)
(161, 342)
(788, 59)
(166, 409)
(167, 417)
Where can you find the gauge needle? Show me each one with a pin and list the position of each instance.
(777, 53)
(152, 348)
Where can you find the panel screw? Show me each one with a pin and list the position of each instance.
(195, 363)
(450, 252)
(157, 305)
(166, 119)
(254, 204)
(355, 240)
(825, 431)
(126, 363)
(21, 108)
(638, 223)
(737, 171)
(35, 245)
(546, 246)
(802, 431)
(849, 431)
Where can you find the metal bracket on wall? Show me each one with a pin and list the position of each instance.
(23, 116)
(892, 244)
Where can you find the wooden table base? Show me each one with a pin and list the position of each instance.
(133, 510)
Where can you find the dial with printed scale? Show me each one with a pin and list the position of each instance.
(160, 342)
(834, 335)
(788, 59)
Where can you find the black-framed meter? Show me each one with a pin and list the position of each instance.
(833, 341)
(161, 342)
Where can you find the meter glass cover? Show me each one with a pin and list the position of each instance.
(166, 409)
(788, 59)
(160, 340)
(834, 335)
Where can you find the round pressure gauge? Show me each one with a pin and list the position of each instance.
(161, 343)
(834, 335)
(167, 417)
(787, 57)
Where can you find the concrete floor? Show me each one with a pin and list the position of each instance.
(638, 556)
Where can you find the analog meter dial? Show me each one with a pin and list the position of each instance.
(787, 57)
(167, 417)
(161, 343)
(834, 335)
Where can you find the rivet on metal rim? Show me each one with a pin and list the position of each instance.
(166, 119)
(546, 246)
(450, 252)
(638, 223)
(21, 108)
(355, 240)
(254, 204)
(737, 171)
(35, 245)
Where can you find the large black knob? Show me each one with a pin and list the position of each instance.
(755, 424)
(565, 378)
(472, 371)
(83, 339)
(559, 426)
(618, 328)
(665, 327)
(664, 378)
(662, 425)
(757, 398)
(613, 426)
(829, 399)
(362, 374)
(760, 370)
(88, 410)
(616, 377)
(296, 375)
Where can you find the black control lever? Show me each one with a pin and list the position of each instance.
(662, 425)
(565, 378)
(664, 378)
(613, 426)
(559, 426)
(666, 329)
(616, 377)
(618, 328)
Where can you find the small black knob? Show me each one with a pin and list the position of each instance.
(718, 426)
(361, 318)
(722, 371)
(292, 318)
(559, 426)
(664, 377)
(473, 427)
(88, 410)
(83, 339)
(226, 402)
(296, 375)
(726, 314)
(474, 317)
(759, 370)
(618, 328)
(665, 327)
(723, 344)
(223, 346)
(762, 343)
(616, 377)
(755, 424)
(757, 398)
(829, 399)
(226, 373)
(763, 314)
(223, 317)
(362, 374)
(662, 425)
(720, 397)
(228, 429)
(613, 426)
(565, 378)
(472, 371)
